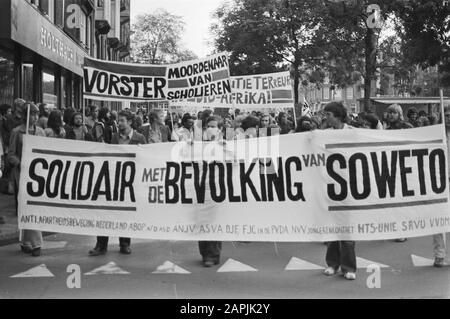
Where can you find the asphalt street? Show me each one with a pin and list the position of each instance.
(168, 269)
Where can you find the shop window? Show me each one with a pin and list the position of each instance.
(27, 81)
(48, 90)
(6, 78)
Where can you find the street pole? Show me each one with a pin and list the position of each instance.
(28, 118)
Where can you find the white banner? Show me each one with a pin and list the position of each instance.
(117, 81)
(316, 186)
(262, 91)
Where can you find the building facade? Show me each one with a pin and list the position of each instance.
(42, 47)
(43, 44)
(318, 97)
(112, 37)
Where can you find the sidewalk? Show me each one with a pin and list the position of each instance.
(9, 232)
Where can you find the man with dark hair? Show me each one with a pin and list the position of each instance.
(413, 117)
(250, 125)
(77, 130)
(186, 131)
(336, 115)
(101, 131)
(285, 125)
(125, 136)
(340, 254)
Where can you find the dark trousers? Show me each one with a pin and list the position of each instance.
(341, 253)
(102, 241)
(210, 250)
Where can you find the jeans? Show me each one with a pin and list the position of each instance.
(210, 250)
(439, 245)
(28, 237)
(102, 242)
(31, 238)
(341, 253)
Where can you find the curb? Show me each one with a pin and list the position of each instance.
(13, 238)
(9, 238)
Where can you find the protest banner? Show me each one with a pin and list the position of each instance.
(199, 78)
(262, 91)
(117, 81)
(326, 185)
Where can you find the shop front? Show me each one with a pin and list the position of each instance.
(38, 61)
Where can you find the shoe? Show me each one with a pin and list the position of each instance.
(438, 262)
(126, 250)
(208, 263)
(25, 249)
(36, 252)
(329, 271)
(211, 262)
(400, 240)
(97, 251)
(350, 275)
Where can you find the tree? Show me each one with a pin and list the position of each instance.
(156, 38)
(266, 36)
(425, 31)
(349, 36)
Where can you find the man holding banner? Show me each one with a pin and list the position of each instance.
(125, 136)
(31, 240)
(439, 244)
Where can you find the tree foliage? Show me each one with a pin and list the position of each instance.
(156, 38)
(425, 31)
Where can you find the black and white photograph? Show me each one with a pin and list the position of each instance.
(216, 157)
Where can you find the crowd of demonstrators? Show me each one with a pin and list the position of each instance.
(102, 125)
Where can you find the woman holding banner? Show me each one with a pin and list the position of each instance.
(31, 240)
(210, 250)
(395, 121)
(340, 254)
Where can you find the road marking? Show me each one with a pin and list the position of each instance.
(170, 268)
(364, 263)
(419, 261)
(300, 264)
(54, 244)
(38, 271)
(232, 265)
(109, 269)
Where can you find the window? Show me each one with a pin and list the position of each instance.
(83, 30)
(27, 81)
(46, 7)
(349, 93)
(48, 89)
(89, 34)
(6, 78)
(59, 12)
(326, 93)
